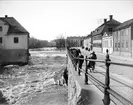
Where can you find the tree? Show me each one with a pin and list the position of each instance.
(35, 43)
(60, 42)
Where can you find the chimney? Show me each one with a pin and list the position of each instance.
(111, 17)
(6, 16)
(105, 20)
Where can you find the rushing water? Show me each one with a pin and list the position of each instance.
(36, 80)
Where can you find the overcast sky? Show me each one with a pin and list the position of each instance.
(48, 19)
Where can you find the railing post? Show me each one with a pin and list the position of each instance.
(86, 71)
(106, 99)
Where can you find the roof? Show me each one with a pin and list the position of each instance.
(124, 24)
(88, 36)
(14, 25)
(100, 29)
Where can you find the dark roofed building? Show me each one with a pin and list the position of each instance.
(107, 26)
(14, 25)
(14, 40)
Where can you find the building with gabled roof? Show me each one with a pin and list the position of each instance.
(14, 40)
(107, 26)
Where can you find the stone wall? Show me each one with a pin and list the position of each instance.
(78, 92)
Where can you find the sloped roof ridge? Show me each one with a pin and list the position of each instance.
(11, 21)
(124, 24)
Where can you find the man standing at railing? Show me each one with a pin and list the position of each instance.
(80, 62)
(91, 64)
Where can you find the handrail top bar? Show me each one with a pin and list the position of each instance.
(103, 61)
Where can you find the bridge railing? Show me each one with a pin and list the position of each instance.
(106, 85)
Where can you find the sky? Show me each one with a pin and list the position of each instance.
(49, 19)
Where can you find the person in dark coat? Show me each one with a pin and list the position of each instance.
(91, 64)
(80, 62)
(76, 55)
(65, 75)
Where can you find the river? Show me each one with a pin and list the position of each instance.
(35, 83)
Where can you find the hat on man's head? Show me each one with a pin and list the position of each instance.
(93, 52)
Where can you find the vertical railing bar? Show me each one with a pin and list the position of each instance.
(106, 99)
(86, 71)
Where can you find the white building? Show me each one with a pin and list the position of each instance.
(13, 41)
(107, 42)
(87, 41)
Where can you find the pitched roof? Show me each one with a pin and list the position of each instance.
(124, 24)
(14, 25)
(100, 29)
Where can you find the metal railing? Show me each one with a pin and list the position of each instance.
(106, 85)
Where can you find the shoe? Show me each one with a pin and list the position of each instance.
(86, 83)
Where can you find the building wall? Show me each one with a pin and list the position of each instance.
(8, 40)
(107, 43)
(122, 42)
(87, 42)
(22, 44)
(3, 32)
(97, 43)
(10, 52)
(132, 39)
(74, 41)
(13, 56)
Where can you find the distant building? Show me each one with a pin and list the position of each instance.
(123, 39)
(87, 41)
(97, 35)
(74, 41)
(13, 41)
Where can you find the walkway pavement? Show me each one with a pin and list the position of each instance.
(90, 91)
(118, 73)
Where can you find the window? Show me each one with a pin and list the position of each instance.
(111, 43)
(126, 44)
(119, 45)
(110, 29)
(0, 39)
(16, 40)
(0, 28)
(122, 44)
(115, 45)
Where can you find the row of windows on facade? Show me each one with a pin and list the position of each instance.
(123, 32)
(118, 45)
(16, 40)
(107, 43)
(97, 45)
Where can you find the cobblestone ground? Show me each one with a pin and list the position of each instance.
(35, 84)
